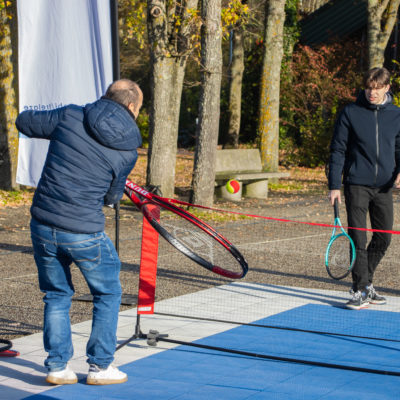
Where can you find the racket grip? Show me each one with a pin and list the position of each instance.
(336, 208)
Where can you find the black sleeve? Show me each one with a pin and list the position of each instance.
(338, 150)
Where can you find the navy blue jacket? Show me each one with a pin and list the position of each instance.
(365, 147)
(91, 152)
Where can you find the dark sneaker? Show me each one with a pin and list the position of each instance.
(374, 298)
(358, 301)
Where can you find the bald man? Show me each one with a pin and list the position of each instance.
(92, 149)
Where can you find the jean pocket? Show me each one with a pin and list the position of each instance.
(86, 258)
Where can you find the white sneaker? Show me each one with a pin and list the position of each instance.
(107, 376)
(63, 377)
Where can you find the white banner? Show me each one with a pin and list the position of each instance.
(65, 56)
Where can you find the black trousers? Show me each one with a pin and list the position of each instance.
(378, 203)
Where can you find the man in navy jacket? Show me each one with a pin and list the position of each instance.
(92, 150)
(365, 154)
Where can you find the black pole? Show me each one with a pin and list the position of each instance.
(115, 39)
(137, 335)
(153, 337)
(116, 76)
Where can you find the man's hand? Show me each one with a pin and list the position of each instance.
(397, 182)
(335, 194)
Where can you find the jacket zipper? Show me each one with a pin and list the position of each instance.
(377, 142)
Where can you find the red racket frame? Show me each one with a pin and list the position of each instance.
(135, 193)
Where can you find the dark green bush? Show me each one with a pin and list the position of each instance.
(315, 86)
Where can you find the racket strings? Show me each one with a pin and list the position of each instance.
(187, 235)
(340, 256)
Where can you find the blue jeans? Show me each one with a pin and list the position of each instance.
(95, 256)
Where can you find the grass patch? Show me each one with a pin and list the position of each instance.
(216, 216)
(15, 198)
(204, 215)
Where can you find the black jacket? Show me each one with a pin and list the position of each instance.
(92, 150)
(365, 147)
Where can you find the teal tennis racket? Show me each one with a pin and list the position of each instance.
(340, 252)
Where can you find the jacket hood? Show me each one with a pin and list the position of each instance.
(362, 101)
(112, 125)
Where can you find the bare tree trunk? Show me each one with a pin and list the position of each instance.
(268, 126)
(170, 46)
(382, 15)
(167, 81)
(209, 107)
(8, 97)
(235, 89)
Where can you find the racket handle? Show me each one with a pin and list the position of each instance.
(336, 208)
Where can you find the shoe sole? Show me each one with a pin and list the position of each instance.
(377, 302)
(351, 307)
(93, 381)
(60, 381)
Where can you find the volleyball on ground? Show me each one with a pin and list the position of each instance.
(232, 186)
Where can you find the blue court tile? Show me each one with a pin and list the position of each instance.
(164, 364)
(209, 392)
(265, 376)
(277, 395)
(355, 392)
(370, 357)
(230, 360)
(379, 384)
(318, 382)
(184, 353)
(143, 372)
(221, 370)
(81, 391)
(338, 319)
(153, 389)
(302, 389)
(159, 389)
(194, 375)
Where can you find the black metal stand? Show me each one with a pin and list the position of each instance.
(140, 335)
(137, 335)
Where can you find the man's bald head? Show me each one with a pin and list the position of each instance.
(127, 93)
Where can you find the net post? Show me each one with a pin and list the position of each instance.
(147, 278)
(148, 267)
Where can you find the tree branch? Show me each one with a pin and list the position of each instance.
(390, 19)
(382, 7)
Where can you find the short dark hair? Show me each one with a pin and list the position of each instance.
(124, 91)
(376, 77)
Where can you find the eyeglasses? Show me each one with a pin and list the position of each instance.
(377, 87)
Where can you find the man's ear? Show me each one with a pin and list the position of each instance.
(132, 109)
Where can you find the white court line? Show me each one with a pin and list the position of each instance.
(17, 277)
(282, 240)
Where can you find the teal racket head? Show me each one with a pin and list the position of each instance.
(340, 253)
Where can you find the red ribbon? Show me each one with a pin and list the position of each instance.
(183, 203)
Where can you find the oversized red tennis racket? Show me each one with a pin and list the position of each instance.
(188, 234)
